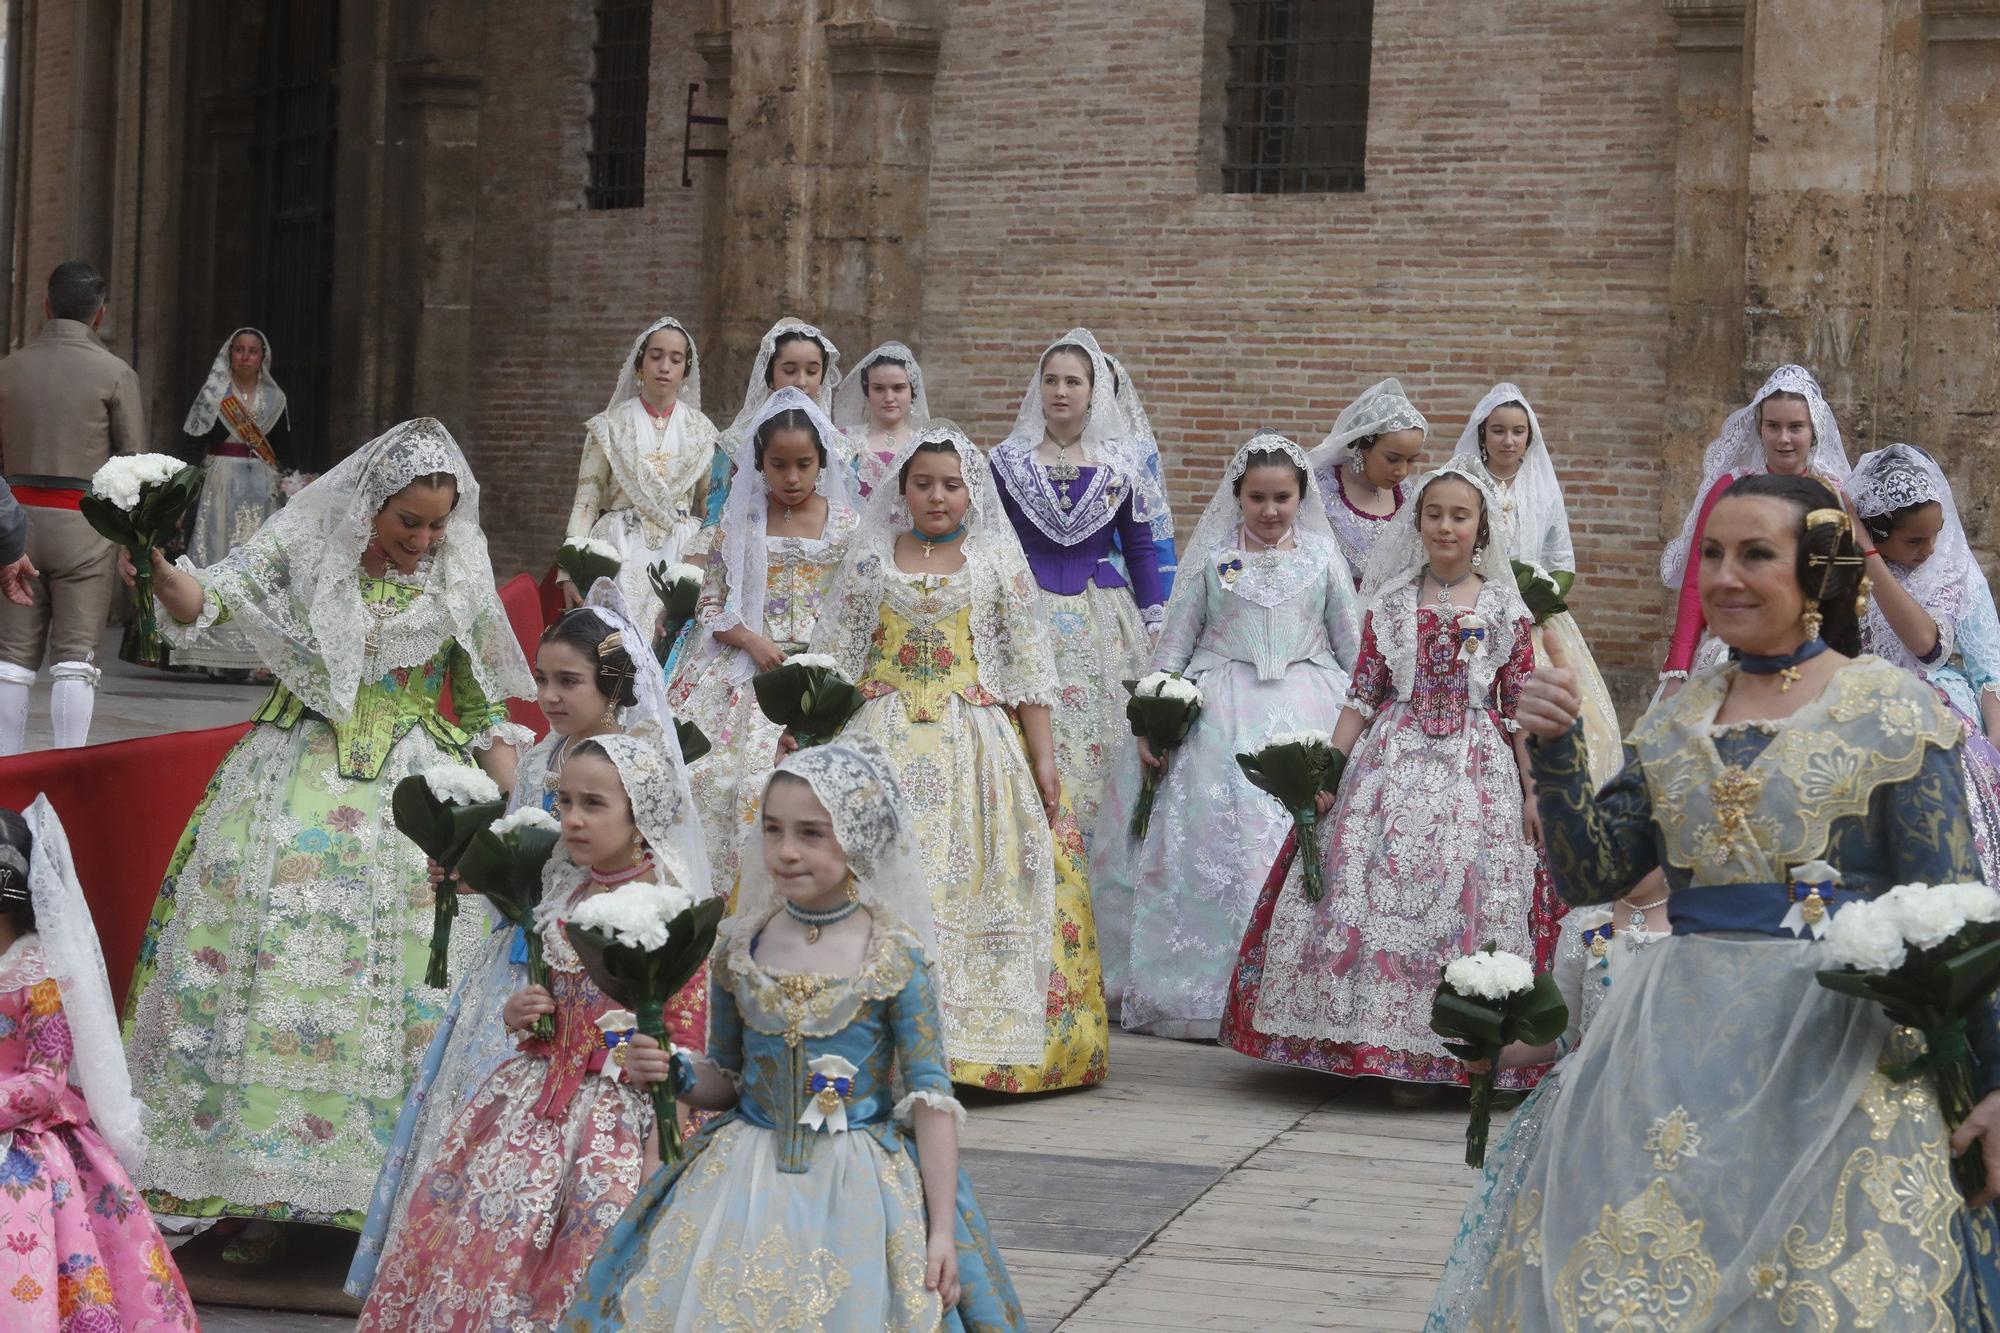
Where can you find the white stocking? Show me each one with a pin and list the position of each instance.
(14, 683)
(72, 702)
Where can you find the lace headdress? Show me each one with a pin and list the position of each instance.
(294, 589)
(745, 551)
(854, 779)
(1219, 534)
(649, 687)
(1739, 450)
(656, 783)
(218, 386)
(850, 397)
(756, 391)
(1016, 663)
(1106, 440)
(75, 962)
(1381, 408)
(1538, 496)
(1138, 428)
(1895, 478)
(688, 395)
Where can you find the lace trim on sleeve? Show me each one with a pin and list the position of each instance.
(905, 1110)
(513, 733)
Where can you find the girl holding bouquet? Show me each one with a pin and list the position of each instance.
(1264, 622)
(553, 1147)
(783, 534)
(1431, 850)
(792, 354)
(1363, 464)
(645, 462)
(838, 1137)
(591, 679)
(278, 1011)
(1776, 1175)
(936, 617)
(82, 1252)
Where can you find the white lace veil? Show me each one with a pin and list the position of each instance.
(294, 589)
(688, 395)
(75, 961)
(756, 391)
(1222, 521)
(649, 689)
(1107, 440)
(745, 548)
(1382, 407)
(1891, 479)
(1538, 495)
(850, 396)
(1739, 449)
(856, 782)
(1138, 428)
(218, 386)
(1009, 628)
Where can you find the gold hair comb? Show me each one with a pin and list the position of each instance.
(1820, 518)
(611, 643)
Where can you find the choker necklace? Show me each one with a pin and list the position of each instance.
(1784, 666)
(659, 418)
(1639, 910)
(622, 876)
(1444, 588)
(814, 922)
(929, 541)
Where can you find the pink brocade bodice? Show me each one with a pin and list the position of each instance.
(35, 1052)
(1441, 686)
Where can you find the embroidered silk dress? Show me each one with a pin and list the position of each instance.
(1424, 857)
(770, 1225)
(1356, 529)
(80, 1251)
(1099, 623)
(1755, 1169)
(278, 1011)
(637, 488)
(1268, 641)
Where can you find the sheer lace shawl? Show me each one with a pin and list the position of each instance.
(1539, 529)
(1009, 632)
(658, 481)
(1382, 407)
(1139, 429)
(294, 589)
(207, 406)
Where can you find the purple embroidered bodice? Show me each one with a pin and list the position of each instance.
(1068, 549)
(1355, 530)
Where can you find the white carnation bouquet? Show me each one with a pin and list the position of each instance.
(1295, 767)
(442, 809)
(1161, 711)
(1484, 1002)
(504, 863)
(678, 586)
(138, 500)
(586, 560)
(809, 695)
(1929, 954)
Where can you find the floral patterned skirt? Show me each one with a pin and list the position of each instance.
(1100, 643)
(729, 779)
(278, 1010)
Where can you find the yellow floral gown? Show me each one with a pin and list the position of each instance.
(1019, 977)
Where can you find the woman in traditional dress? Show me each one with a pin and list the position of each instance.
(1430, 852)
(841, 1208)
(645, 460)
(786, 529)
(1362, 464)
(81, 1252)
(278, 1012)
(593, 677)
(1265, 624)
(1787, 430)
(935, 615)
(1071, 482)
(1503, 443)
(879, 405)
(1139, 429)
(553, 1147)
(792, 354)
(1727, 1151)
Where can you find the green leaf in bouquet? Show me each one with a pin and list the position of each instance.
(111, 522)
(1336, 769)
(442, 829)
(160, 508)
(1475, 1023)
(585, 568)
(694, 741)
(1565, 580)
(642, 980)
(1973, 975)
(1539, 592)
(507, 871)
(679, 599)
(1540, 1016)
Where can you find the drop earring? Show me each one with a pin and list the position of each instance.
(638, 847)
(1810, 621)
(1478, 556)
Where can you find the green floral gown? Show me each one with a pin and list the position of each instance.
(278, 1010)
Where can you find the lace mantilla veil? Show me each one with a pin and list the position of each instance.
(854, 779)
(850, 396)
(1538, 496)
(1139, 430)
(688, 395)
(218, 386)
(1382, 407)
(755, 392)
(1893, 478)
(294, 589)
(1739, 450)
(1016, 662)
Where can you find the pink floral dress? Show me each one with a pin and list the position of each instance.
(78, 1251)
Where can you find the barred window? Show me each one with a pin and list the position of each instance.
(618, 93)
(1295, 119)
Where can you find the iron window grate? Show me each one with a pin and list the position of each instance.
(619, 88)
(1296, 120)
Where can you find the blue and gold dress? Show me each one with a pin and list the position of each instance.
(768, 1224)
(1727, 1151)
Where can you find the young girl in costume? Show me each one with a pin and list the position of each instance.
(936, 617)
(645, 462)
(279, 1011)
(537, 1167)
(1362, 464)
(1264, 622)
(1071, 483)
(879, 405)
(791, 354)
(590, 682)
(786, 528)
(1430, 851)
(827, 1195)
(81, 1253)
(1502, 442)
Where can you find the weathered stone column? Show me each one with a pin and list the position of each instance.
(437, 157)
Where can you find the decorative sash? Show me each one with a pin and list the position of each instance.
(246, 429)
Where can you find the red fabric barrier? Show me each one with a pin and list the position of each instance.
(526, 606)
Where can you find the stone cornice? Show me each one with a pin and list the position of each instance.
(883, 47)
(1708, 25)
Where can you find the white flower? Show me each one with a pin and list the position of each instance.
(679, 573)
(123, 479)
(527, 817)
(1927, 917)
(460, 784)
(1298, 738)
(1166, 685)
(1977, 902)
(1490, 976)
(592, 546)
(636, 914)
(1864, 935)
(820, 661)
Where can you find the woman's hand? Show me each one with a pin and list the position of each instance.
(440, 877)
(1531, 821)
(523, 1007)
(1323, 803)
(1549, 703)
(787, 743)
(1156, 762)
(646, 1061)
(1049, 783)
(1981, 1134)
(941, 1266)
(764, 654)
(571, 597)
